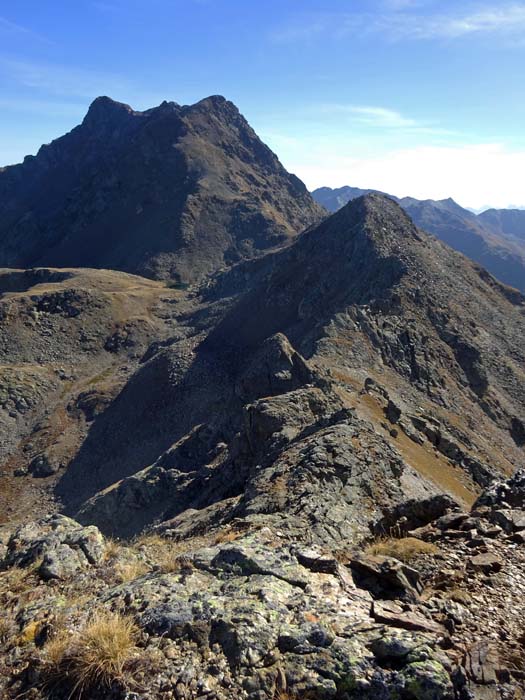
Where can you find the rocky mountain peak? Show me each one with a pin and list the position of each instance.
(103, 110)
(171, 193)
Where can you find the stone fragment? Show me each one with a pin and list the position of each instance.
(485, 562)
(386, 577)
(482, 662)
(393, 615)
(315, 560)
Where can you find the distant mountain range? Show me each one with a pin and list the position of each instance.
(170, 193)
(494, 238)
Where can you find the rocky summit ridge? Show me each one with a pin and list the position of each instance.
(495, 238)
(296, 477)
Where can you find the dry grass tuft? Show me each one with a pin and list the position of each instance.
(16, 580)
(164, 554)
(405, 548)
(227, 536)
(130, 570)
(7, 629)
(113, 548)
(95, 656)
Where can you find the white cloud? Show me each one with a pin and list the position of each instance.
(372, 116)
(502, 20)
(401, 19)
(476, 176)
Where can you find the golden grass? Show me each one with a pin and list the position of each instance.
(95, 656)
(130, 570)
(113, 548)
(227, 536)
(16, 580)
(164, 554)
(405, 548)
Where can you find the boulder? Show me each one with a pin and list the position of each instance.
(486, 562)
(42, 466)
(511, 520)
(505, 494)
(386, 577)
(61, 544)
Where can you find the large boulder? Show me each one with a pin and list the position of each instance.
(57, 545)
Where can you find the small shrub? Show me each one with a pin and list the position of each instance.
(405, 548)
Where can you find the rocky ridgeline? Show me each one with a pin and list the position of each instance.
(248, 612)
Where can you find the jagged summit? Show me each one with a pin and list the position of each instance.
(172, 192)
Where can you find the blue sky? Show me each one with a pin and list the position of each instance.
(415, 97)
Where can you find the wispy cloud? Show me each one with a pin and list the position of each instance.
(379, 117)
(502, 20)
(372, 116)
(401, 19)
(71, 84)
(52, 108)
(8, 28)
(62, 80)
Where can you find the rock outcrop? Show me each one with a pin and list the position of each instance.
(253, 613)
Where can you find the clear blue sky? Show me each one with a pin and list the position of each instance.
(420, 97)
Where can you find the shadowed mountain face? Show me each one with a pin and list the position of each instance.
(173, 192)
(494, 239)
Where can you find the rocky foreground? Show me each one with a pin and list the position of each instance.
(433, 612)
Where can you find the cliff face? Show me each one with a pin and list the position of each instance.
(171, 193)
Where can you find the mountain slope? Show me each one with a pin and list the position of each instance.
(172, 192)
(363, 300)
(483, 238)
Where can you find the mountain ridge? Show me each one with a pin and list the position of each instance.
(484, 238)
